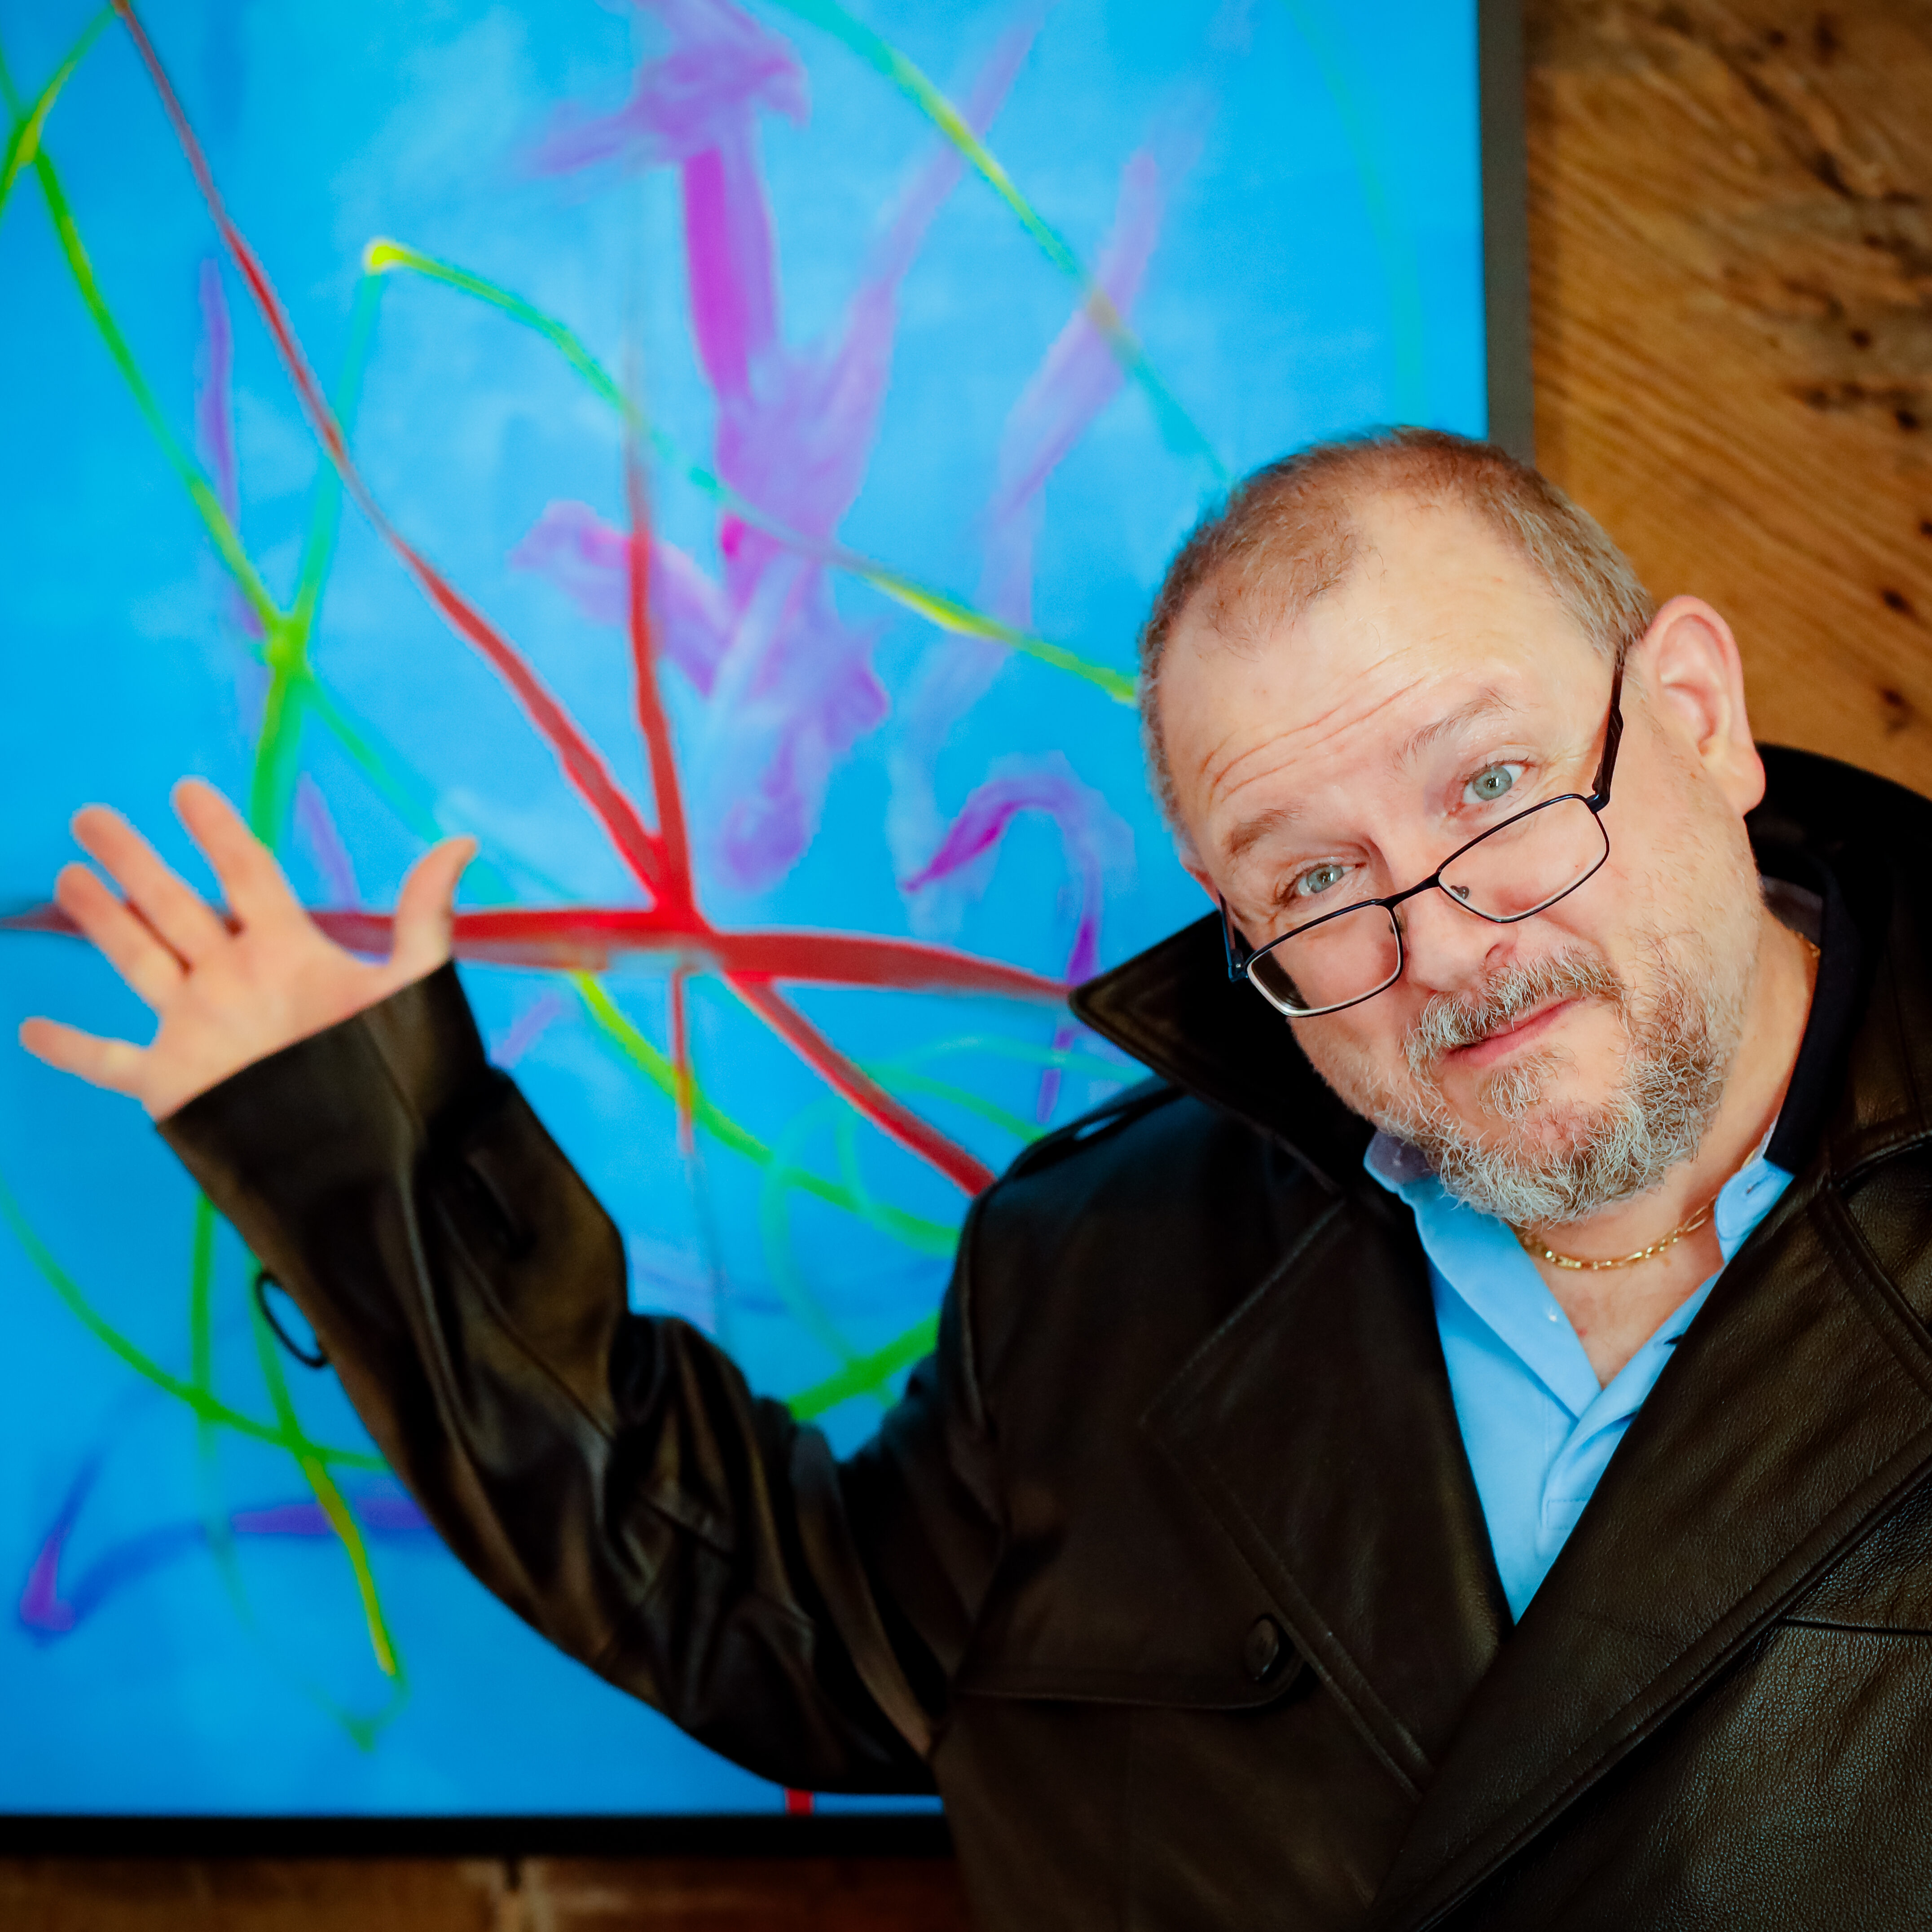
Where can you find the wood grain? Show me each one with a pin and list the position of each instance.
(1731, 271)
(1732, 303)
(671, 1894)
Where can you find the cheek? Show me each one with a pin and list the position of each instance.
(1360, 1059)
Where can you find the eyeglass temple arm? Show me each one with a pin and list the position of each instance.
(1236, 967)
(1613, 733)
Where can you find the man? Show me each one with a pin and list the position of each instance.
(1514, 1517)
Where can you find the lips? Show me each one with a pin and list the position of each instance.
(1522, 1031)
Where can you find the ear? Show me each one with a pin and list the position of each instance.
(1688, 666)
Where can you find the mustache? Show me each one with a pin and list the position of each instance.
(1452, 1020)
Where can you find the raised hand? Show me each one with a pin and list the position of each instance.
(226, 992)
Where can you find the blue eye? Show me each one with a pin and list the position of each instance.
(1490, 784)
(1318, 879)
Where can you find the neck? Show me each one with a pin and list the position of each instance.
(1615, 1311)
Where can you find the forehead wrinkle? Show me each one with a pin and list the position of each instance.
(1486, 703)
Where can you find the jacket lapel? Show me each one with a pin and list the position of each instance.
(1316, 1426)
(1795, 1413)
(1699, 1533)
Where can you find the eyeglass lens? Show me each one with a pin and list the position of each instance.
(1518, 869)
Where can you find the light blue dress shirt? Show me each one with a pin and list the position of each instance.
(1538, 1430)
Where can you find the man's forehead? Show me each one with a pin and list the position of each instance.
(1385, 738)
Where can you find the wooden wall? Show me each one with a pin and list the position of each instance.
(1731, 267)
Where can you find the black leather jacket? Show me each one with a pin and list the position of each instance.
(1167, 1572)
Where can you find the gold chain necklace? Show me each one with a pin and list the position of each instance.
(1545, 1253)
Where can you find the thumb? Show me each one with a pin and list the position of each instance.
(426, 908)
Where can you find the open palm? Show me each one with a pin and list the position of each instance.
(226, 991)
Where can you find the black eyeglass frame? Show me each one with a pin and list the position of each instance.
(1240, 963)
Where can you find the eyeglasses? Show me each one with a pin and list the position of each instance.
(1513, 872)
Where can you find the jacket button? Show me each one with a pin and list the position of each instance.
(1262, 1653)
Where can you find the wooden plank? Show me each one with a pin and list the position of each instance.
(1732, 303)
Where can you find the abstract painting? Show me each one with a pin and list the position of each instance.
(718, 453)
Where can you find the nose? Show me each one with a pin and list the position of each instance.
(1446, 948)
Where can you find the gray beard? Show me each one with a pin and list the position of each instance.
(1585, 1159)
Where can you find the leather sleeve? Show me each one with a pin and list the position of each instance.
(610, 1476)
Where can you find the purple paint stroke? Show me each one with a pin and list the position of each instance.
(1078, 377)
(793, 687)
(384, 1515)
(42, 1607)
(1094, 838)
(528, 1027)
(317, 827)
(589, 560)
(721, 67)
(49, 1613)
(214, 414)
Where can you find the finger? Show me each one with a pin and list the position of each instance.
(115, 1064)
(152, 969)
(175, 910)
(255, 886)
(426, 910)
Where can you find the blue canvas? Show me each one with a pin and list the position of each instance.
(891, 348)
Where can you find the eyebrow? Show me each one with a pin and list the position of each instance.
(1251, 831)
(1488, 702)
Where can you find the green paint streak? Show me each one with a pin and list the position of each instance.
(903, 1080)
(929, 1237)
(201, 1373)
(1397, 247)
(334, 1504)
(936, 607)
(292, 687)
(1178, 429)
(381, 254)
(292, 679)
(221, 532)
(271, 797)
(202, 1403)
(295, 690)
(865, 1374)
(24, 143)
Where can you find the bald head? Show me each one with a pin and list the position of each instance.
(1295, 532)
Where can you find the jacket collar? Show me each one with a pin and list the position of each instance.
(1854, 839)
(1314, 1419)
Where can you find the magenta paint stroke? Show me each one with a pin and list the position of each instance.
(1095, 839)
(51, 1607)
(316, 827)
(790, 682)
(214, 414)
(588, 559)
(528, 1027)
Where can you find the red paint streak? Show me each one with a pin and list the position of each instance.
(586, 938)
(799, 1805)
(661, 860)
(585, 769)
(888, 1115)
(674, 840)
